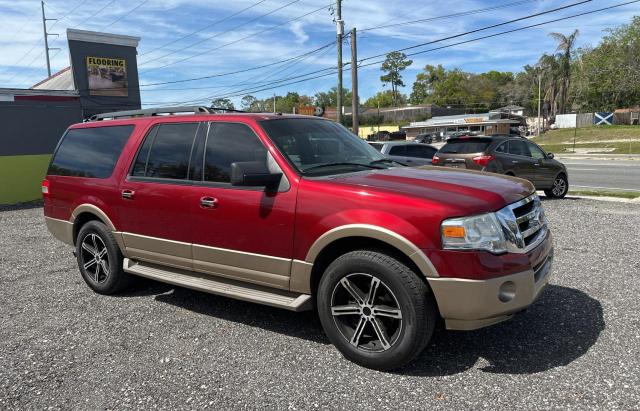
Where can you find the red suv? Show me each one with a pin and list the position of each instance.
(296, 212)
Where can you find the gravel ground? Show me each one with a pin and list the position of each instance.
(62, 346)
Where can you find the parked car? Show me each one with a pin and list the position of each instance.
(297, 212)
(405, 152)
(425, 138)
(511, 155)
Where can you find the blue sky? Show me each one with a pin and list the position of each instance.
(248, 40)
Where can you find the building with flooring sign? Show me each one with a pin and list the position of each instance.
(102, 77)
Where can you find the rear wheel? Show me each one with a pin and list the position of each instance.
(100, 260)
(560, 187)
(375, 310)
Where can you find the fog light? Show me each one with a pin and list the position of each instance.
(507, 291)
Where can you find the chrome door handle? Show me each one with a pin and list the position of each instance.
(128, 194)
(208, 202)
(514, 161)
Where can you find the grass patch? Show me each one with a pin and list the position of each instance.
(612, 139)
(595, 148)
(593, 134)
(607, 193)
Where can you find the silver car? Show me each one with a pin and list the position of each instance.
(406, 152)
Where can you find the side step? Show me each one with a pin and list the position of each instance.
(220, 286)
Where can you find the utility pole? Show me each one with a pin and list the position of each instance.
(274, 103)
(354, 85)
(339, 33)
(46, 38)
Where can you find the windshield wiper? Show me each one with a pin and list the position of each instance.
(340, 163)
(386, 160)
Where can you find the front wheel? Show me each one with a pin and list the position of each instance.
(559, 189)
(375, 310)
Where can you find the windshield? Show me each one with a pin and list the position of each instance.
(321, 147)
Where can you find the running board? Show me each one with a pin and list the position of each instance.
(220, 286)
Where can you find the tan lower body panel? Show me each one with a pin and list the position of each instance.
(472, 304)
(221, 286)
(151, 249)
(60, 229)
(254, 268)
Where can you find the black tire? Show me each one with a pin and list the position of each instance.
(409, 335)
(560, 187)
(110, 278)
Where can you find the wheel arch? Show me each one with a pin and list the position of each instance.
(348, 238)
(89, 212)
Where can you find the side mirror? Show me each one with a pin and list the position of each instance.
(254, 174)
(550, 156)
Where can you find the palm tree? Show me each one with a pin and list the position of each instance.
(564, 49)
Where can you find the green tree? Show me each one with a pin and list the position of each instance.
(384, 99)
(394, 64)
(425, 83)
(607, 76)
(565, 47)
(249, 103)
(330, 98)
(223, 103)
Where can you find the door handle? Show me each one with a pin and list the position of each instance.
(208, 202)
(514, 161)
(128, 194)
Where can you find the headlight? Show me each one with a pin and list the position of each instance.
(481, 232)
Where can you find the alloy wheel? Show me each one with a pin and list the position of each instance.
(559, 187)
(366, 312)
(95, 258)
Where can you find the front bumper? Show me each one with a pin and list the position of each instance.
(471, 304)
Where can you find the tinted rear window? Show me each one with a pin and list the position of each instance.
(166, 151)
(89, 152)
(376, 146)
(465, 146)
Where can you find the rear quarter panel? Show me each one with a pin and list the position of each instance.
(67, 193)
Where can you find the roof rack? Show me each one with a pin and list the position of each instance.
(149, 112)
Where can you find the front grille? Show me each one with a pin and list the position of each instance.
(524, 224)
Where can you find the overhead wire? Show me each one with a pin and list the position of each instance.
(283, 82)
(222, 20)
(237, 40)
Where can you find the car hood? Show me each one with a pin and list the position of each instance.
(463, 190)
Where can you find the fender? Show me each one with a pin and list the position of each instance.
(301, 270)
(92, 209)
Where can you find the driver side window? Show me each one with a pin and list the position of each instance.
(536, 152)
(230, 143)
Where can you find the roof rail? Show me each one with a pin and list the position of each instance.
(151, 112)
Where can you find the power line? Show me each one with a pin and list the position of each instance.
(237, 71)
(483, 28)
(204, 28)
(262, 83)
(384, 54)
(125, 15)
(283, 81)
(498, 34)
(447, 16)
(237, 40)
(100, 10)
(218, 34)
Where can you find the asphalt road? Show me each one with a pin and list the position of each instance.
(617, 175)
(158, 346)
